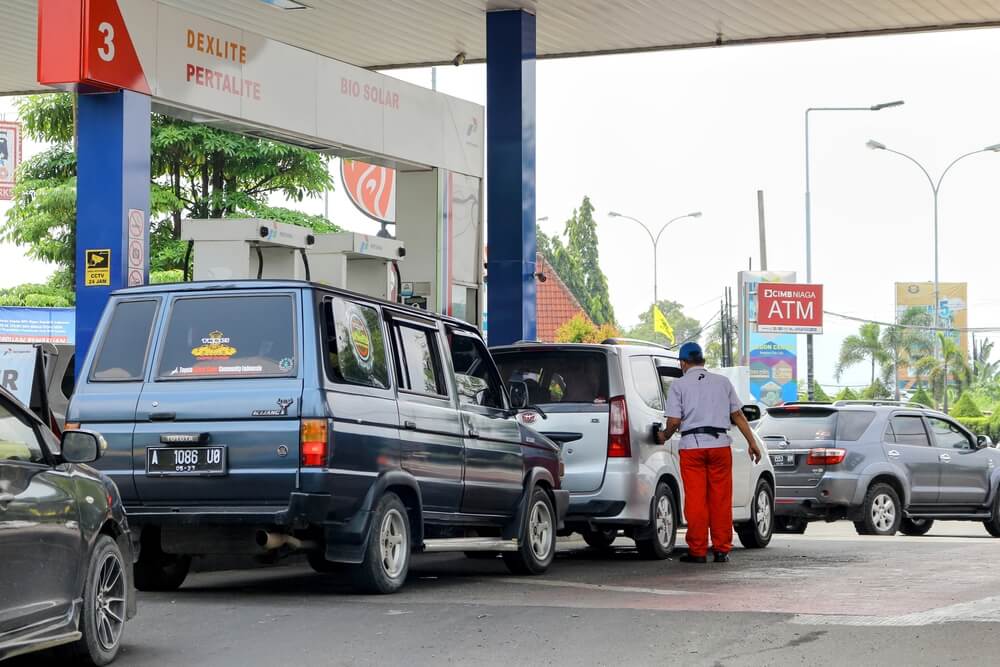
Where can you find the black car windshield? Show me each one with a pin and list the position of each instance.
(557, 376)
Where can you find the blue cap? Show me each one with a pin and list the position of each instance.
(690, 352)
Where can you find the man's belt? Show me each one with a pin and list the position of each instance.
(705, 430)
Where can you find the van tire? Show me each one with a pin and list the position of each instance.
(916, 527)
(600, 539)
(156, 571)
(536, 548)
(992, 525)
(662, 526)
(387, 554)
(756, 533)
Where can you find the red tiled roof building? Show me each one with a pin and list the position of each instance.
(554, 302)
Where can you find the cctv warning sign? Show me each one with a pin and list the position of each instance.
(789, 308)
(98, 270)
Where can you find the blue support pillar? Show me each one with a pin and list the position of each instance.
(510, 175)
(113, 163)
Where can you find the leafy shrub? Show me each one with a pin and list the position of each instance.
(923, 398)
(966, 407)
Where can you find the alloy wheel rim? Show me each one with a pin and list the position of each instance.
(109, 603)
(763, 513)
(664, 521)
(391, 543)
(540, 530)
(883, 512)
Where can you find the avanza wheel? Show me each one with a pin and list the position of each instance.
(663, 524)
(882, 511)
(387, 556)
(156, 570)
(537, 545)
(105, 592)
(600, 538)
(756, 533)
(915, 527)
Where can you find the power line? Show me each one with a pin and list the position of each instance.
(912, 326)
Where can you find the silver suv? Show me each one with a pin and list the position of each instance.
(602, 404)
(887, 466)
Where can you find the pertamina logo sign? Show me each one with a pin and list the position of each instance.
(789, 308)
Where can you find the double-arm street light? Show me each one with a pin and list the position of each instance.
(810, 373)
(655, 239)
(935, 189)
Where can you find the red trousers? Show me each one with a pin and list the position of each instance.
(708, 498)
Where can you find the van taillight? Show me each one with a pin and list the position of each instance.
(313, 442)
(619, 445)
(826, 456)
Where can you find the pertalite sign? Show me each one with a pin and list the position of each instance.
(789, 308)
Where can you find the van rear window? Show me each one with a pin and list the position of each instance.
(557, 376)
(230, 337)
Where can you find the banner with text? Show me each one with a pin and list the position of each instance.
(789, 308)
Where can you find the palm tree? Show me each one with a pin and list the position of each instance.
(904, 342)
(950, 364)
(984, 371)
(860, 347)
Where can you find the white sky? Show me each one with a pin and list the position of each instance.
(657, 135)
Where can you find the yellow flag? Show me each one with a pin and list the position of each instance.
(660, 324)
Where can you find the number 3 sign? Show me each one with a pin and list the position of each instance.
(85, 45)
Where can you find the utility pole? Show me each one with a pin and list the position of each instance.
(763, 234)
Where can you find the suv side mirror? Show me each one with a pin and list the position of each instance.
(518, 395)
(82, 446)
(751, 412)
(983, 441)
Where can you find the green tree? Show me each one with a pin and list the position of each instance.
(846, 394)
(902, 342)
(196, 171)
(579, 329)
(875, 390)
(820, 396)
(947, 367)
(921, 396)
(685, 328)
(861, 347)
(577, 262)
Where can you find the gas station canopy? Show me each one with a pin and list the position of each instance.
(388, 33)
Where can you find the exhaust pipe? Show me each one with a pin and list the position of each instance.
(269, 541)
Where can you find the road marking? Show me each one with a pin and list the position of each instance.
(597, 587)
(986, 610)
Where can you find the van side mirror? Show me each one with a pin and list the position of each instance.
(983, 441)
(751, 412)
(82, 446)
(518, 395)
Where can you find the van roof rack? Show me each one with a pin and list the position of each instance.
(633, 341)
(883, 401)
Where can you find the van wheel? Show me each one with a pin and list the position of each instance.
(663, 526)
(387, 555)
(537, 544)
(756, 533)
(600, 539)
(882, 511)
(915, 527)
(105, 600)
(156, 570)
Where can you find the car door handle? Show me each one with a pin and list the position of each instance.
(162, 416)
(410, 425)
(893, 453)
(945, 457)
(473, 433)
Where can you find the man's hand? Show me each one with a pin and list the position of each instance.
(755, 452)
(744, 426)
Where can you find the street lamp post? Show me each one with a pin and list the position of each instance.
(655, 240)
(935, 190)
(810, 371)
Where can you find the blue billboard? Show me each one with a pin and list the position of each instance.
(37, 325)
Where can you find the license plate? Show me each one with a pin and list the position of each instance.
(783, 459)
(161, 461)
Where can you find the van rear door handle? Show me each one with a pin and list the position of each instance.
(893, 453)
(162, 416)
(410, 425)
(945, 457)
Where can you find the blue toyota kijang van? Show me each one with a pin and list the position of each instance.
(274, 417)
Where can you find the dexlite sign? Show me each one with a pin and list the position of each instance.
(789, 308)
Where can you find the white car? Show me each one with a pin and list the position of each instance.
(602, 403)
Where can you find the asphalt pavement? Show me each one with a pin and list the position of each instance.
(829, 597)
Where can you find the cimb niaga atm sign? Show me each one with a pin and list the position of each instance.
(788, 308)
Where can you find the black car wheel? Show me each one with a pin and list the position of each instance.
(790, 525)
(915, 527)
(993, 523)
(756, 533)
(882, 511)
(537, 545)
(601, 538)
(387, 556)
(104, 604)
(156, 570)
(663, 524)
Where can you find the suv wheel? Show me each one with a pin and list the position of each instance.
(663, 525)
(882, 511)
(599, 538)
(915, 527)
(104, 604)
(756, 533)
(387, 554)
(537, 544)
(156, 570)
(993, 523)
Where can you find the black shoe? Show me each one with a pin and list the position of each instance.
(721, 557)
(688, 558)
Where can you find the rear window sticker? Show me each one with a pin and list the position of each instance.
(361, 339)
(215, 347)
(285, 364)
